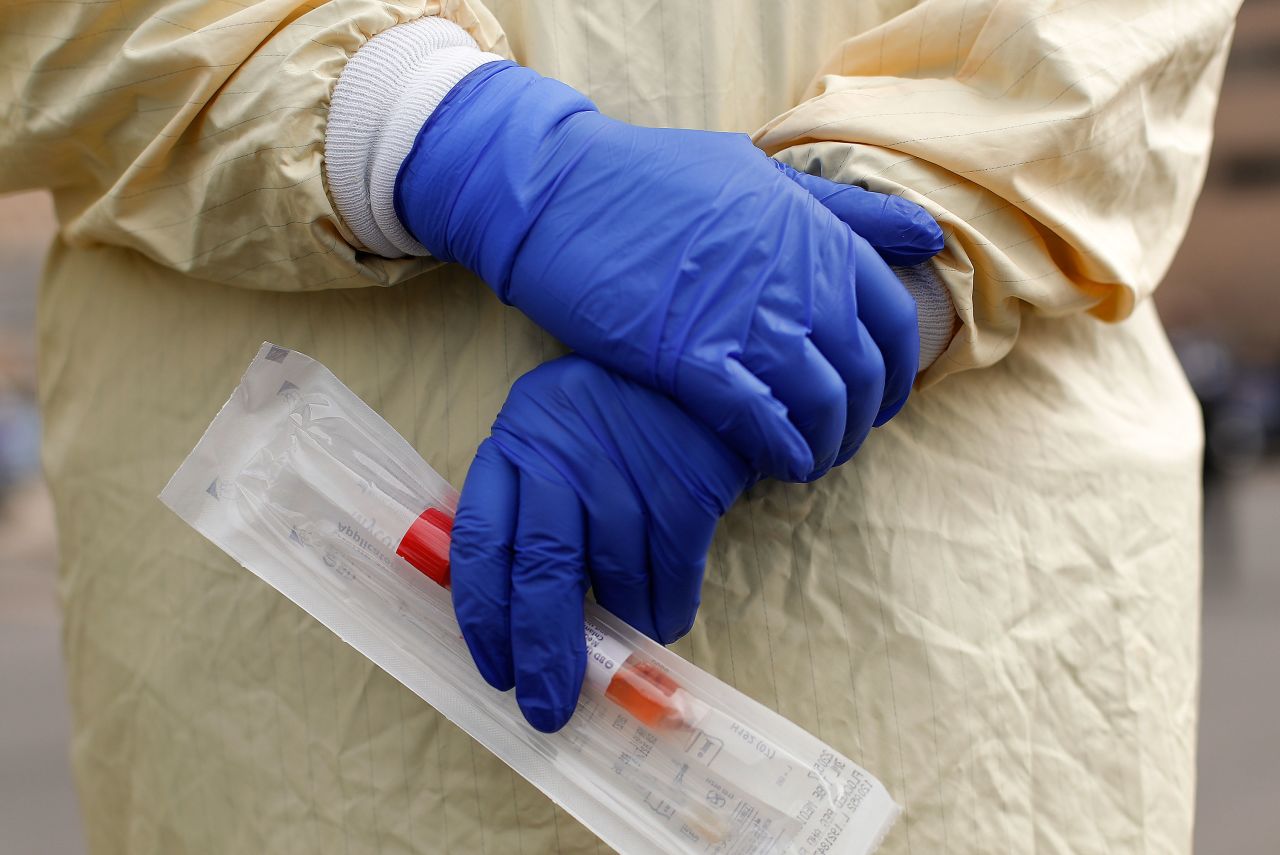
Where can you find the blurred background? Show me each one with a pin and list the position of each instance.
(1221, 304)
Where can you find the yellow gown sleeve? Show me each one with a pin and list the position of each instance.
(193, 130)
(1062, 146)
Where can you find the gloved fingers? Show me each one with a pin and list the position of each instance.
(888, 312)
(743, 412)
(480, 562)
(617, 551)
(856, 357)
(801, 377)
(901, 231)
(548, 584)
(678, 554)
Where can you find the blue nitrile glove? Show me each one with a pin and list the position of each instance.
(686, 260)
(588, 479)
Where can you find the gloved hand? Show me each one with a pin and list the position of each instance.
(686, 260)
(587, 479)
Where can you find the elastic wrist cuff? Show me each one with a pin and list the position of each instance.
(935, 314)
(380, 102)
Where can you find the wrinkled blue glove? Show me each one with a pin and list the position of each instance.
(686, 260)
(587, 479)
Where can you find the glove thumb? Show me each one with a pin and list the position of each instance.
(902, 232)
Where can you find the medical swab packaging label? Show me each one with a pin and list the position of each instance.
(308, 488)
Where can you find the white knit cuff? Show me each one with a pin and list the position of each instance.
(380, 102)
(935, 313)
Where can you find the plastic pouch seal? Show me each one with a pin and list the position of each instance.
(303, 484)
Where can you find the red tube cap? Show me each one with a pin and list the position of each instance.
(426, 545)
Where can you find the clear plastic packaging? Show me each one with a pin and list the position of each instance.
(304, 485)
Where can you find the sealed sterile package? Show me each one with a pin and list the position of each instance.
(303, 484)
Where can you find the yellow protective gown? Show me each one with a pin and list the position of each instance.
(993, 607)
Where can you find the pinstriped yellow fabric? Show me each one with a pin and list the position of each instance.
(168, 127)
(993, 607)
(1064, 144)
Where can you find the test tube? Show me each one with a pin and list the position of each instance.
(639, 686)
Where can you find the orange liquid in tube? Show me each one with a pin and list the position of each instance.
(648, 693)
(640, 687)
